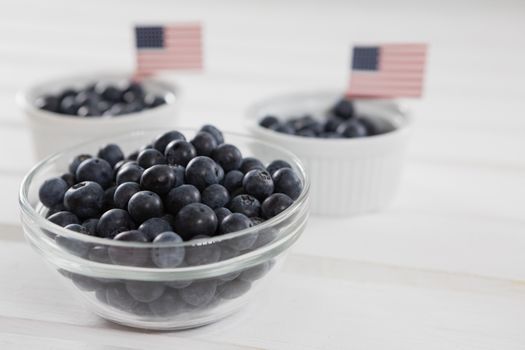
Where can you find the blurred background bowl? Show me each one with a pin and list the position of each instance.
(52, 132)
(348, 176)
(214, 278)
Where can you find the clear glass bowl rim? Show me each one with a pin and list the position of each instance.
(44, 224)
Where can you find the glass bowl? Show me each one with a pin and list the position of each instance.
(118, 280)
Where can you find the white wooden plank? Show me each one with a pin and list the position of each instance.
(315, 303)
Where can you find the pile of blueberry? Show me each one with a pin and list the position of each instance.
(100, 99)
(170, 191)
(341, 121)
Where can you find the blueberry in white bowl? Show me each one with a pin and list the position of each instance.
(171, 248)
(64, 111)
(354, 149)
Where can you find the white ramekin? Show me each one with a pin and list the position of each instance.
(52, 132)
(348, 176)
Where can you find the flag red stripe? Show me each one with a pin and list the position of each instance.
(400, 72)
(182, 50)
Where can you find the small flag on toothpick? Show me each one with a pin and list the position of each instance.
(392, 70)
(168, 47)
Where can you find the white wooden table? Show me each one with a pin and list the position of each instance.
(442, 268)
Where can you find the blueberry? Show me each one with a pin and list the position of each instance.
(202, 253)
(163, 140)
(109, 92)
(195, 219)
(69, 179)
(332, 123)
(52, 191)
(256, 220)
(265, 237)
(376, 126)
(286, 181)
(66, 93)
(352, 129)
(179, 172)
(108, 202)
(216, 133)
(142, 310)
(344, 109)
(48, 103)
(123, 193)
(276, 165)
(152, 101)
(250, 163)
(111, 153)
(306, 122)
(179, 152)
(116, 110)
(113, 222)
(133, 155)
(227, 156)
(68, 105)
(96, 170)
(204, 143)
(275, 204)
(129, 173)
(144, 205)
(202, 172)
(64, 218)
(144, 291)
(258, 183)
(285, 129)
(99, 254)
(132, 93)
(155, 226)
(130, 256)
(221, 213)
(85, 283)
(85, 199)
(91, 226)
(199, 293)
(73, 165)
(269, 121)
(159, 179)
(78, 228)
(215, 196)
(235, 222)
(150, 157)
(118, 297)
(255, 272)
(73, 245)
(233, 289)
(170, 219)
(245, 204)
(55, 209)
(181, 196)
(169, 304)
(233, 180)
(170, 256)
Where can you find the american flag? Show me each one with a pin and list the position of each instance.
(170, 47)
(393, 70)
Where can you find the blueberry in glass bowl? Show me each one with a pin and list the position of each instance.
(149, 258)
(65, 111)
(353, 150)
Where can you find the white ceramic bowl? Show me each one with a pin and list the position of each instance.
(52, 132)
(348, 176)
